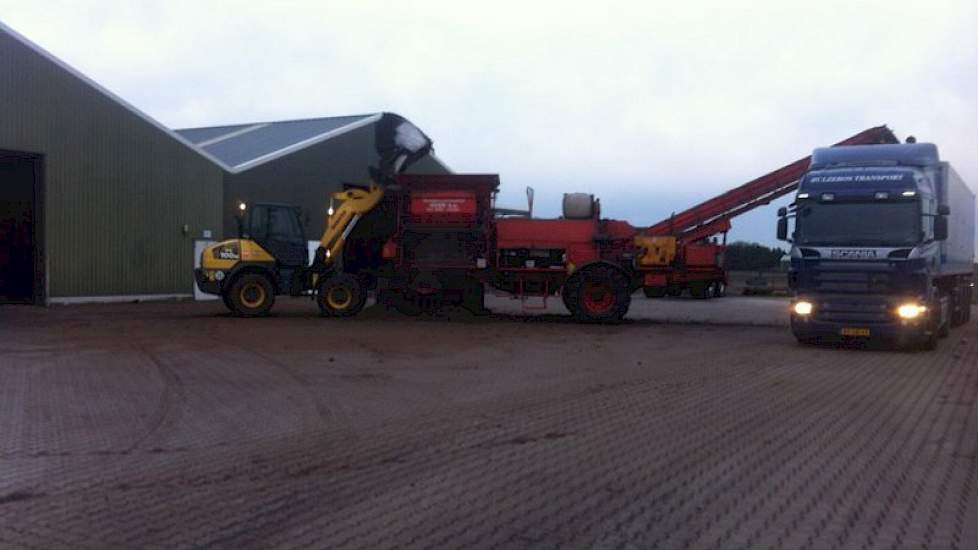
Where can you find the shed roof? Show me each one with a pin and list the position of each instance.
(244, 146)
(110, 95)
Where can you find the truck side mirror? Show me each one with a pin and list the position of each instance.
(940, 227)
(782, 229)
(782, 212)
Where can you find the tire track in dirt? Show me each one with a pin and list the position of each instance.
(326, 419)
(166, 410)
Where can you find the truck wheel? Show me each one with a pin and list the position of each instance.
(250, 295)
(602, 295)
(807, 340)
(674, 290)
(340, 296)
(929, 343)
(654, 291)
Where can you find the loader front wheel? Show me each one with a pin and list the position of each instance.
(601, 294)
(340, 296)
(250, 295)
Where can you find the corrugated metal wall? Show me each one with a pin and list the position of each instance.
(118, 189)
(307, 177)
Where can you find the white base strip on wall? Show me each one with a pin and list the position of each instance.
(70, 300)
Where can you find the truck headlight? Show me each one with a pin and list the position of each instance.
(803, 308)
(910, 311)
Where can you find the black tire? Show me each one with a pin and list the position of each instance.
(807, 340)
(929, 343)
(411, 308)
(602, 295)
(250, 295)
(340, 295)
(569, 293)
(945, 329)
(474, 297)
(701, 291)
(961, 307)
(719, 289)
(654, 291)
(412, 304)
(674, 290)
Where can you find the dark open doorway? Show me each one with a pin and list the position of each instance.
(21, 239)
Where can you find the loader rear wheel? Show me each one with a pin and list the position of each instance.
(340, 296)
(250, 295)
(600, 295)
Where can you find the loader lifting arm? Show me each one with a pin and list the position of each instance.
(399, 144)
(355, 202)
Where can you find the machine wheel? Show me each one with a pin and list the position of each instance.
(654, 291)
(719, 289)
(413, 303)
(602, 295)
(674, 290)
(250, 295)
(407, 305)
(474, 297)
(569, 293)
(701, 291)
(340, 296)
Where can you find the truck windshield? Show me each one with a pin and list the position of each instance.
(858, 223)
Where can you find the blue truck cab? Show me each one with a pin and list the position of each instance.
(882, 245)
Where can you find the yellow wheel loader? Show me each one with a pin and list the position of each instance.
(270, 256)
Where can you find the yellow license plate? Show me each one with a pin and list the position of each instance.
(864, 332)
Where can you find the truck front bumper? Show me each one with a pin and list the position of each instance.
(206, 281)
(840, 318)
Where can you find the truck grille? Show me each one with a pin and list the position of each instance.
(852, 282)
(848, 310)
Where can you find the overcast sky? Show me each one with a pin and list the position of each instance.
(650, 105)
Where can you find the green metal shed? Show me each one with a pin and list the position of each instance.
(97, 200)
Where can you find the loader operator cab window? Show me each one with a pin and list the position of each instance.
(278, 229)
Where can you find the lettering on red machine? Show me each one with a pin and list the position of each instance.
(443, 207)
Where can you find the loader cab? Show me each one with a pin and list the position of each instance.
(278, 229)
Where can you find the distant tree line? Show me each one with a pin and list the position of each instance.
(742, 256)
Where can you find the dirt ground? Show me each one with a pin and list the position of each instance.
(177, 426)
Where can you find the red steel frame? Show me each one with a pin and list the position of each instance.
(712, 216)
(694, 223)
(603, 240)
